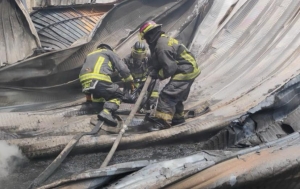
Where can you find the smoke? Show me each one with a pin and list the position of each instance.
(10, 157)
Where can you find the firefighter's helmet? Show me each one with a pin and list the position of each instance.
(104, 46)
(138, 51)
(147, 27)
(139, 47)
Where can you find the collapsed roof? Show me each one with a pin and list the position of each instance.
(18, 35)
(248, 52)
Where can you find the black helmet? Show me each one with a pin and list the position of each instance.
(104, 46)
(140, 47)
(138, 51)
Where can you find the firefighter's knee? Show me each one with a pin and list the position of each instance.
(112, 104)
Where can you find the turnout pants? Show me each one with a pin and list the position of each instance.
(109, 93)
(170, 102)
(154, 95)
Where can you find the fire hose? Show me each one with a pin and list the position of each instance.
(59, 159)
(134, 95)
(127, 122)
(63, 154)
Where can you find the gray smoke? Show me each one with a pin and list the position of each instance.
(10, 157)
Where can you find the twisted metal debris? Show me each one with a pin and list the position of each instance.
(248, 51)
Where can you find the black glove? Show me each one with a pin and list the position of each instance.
(127, 97)
(135, 95)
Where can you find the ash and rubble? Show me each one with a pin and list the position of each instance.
(75, 164)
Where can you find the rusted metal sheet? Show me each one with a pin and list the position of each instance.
(222, 169)
(276, 167)
(160, 174)
(61, 28)
(18, 38)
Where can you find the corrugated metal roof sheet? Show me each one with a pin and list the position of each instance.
(60, 28)
(244, 59)
(113, 29)
(18, 38)
(250, 56)
(32, 4)
(275, 167)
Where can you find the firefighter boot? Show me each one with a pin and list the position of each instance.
(155, 124)
(105, 115)
(178, 118)
(151, 103)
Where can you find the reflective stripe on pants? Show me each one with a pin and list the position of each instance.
(171, 98)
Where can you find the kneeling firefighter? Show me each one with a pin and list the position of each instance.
(137, 63)
(169, 58)
(95, 78)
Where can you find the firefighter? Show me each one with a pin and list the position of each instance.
(137, 63)
(169, 59)
(95, 78)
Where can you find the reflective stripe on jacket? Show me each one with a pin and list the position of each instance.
(174, 60)
(100, 65)
(138, 71)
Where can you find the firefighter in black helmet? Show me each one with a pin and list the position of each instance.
(137, 63)
(173, 60)
(95, 78)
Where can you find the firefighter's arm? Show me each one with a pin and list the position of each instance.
(168, 64)
(122, 68)
(127, 77)
(148, 60)
(126, 60)
(151, 69)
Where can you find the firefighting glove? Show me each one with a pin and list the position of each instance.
(126, 97)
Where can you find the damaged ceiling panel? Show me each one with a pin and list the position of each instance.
(61, 28)
(18, 38)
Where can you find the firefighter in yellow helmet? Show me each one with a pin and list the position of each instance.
(95, 78)
(169, 59)
(137, 63)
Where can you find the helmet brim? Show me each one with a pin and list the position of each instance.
(142, 35)
(106, 46)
